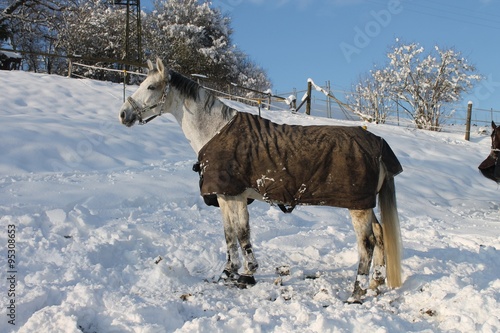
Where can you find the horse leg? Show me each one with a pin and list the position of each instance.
(236, 218)
(233, 262)
(362, 222)
(379, 273)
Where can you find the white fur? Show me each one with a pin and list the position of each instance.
(197, 130)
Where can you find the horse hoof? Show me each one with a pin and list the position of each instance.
(246, 281)
(357, 296)
(229, 276)
(353, 300)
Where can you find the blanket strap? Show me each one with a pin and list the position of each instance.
(210, 199)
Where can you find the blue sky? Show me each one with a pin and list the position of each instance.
(340, 40)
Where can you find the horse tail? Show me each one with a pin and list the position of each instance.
(391, 230)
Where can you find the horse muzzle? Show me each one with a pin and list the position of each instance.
(128, 118)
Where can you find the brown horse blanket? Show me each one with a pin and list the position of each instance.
(291, 164)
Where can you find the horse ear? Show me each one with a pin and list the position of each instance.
(493, 125)
(160, 66)
(150, 65)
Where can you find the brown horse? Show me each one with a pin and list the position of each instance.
(490, 168)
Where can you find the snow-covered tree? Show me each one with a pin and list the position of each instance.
(32, 26)
(370, 100)
(249, 74)
(194, 37)
(94, 30)
(190, 36)
(33, 11)
(424, 85)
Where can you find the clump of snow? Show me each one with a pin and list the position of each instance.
(289, 100)
(96, 204)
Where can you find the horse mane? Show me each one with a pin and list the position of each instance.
(186, 86)
(190, 89)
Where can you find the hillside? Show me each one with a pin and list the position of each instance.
(111, 234)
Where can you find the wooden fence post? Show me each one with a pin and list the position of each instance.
(70, 66)
(308, 104)
(468, 121)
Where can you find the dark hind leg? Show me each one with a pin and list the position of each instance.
(237, 230)
(362, 222)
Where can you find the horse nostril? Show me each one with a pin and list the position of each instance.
(122, 115)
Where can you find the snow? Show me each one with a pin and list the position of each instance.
(111, 234)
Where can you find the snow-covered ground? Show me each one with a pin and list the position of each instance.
(111, 234)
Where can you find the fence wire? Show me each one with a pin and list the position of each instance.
(323, 103)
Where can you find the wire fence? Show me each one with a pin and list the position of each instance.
(89, 68)
(322, 103)
(454, 121)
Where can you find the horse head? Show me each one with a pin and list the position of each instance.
(490, 167)
(147, 101)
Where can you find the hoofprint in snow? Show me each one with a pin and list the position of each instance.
(111, 234)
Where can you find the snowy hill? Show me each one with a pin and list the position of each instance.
(111, 234)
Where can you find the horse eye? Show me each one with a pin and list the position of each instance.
(151, 87)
